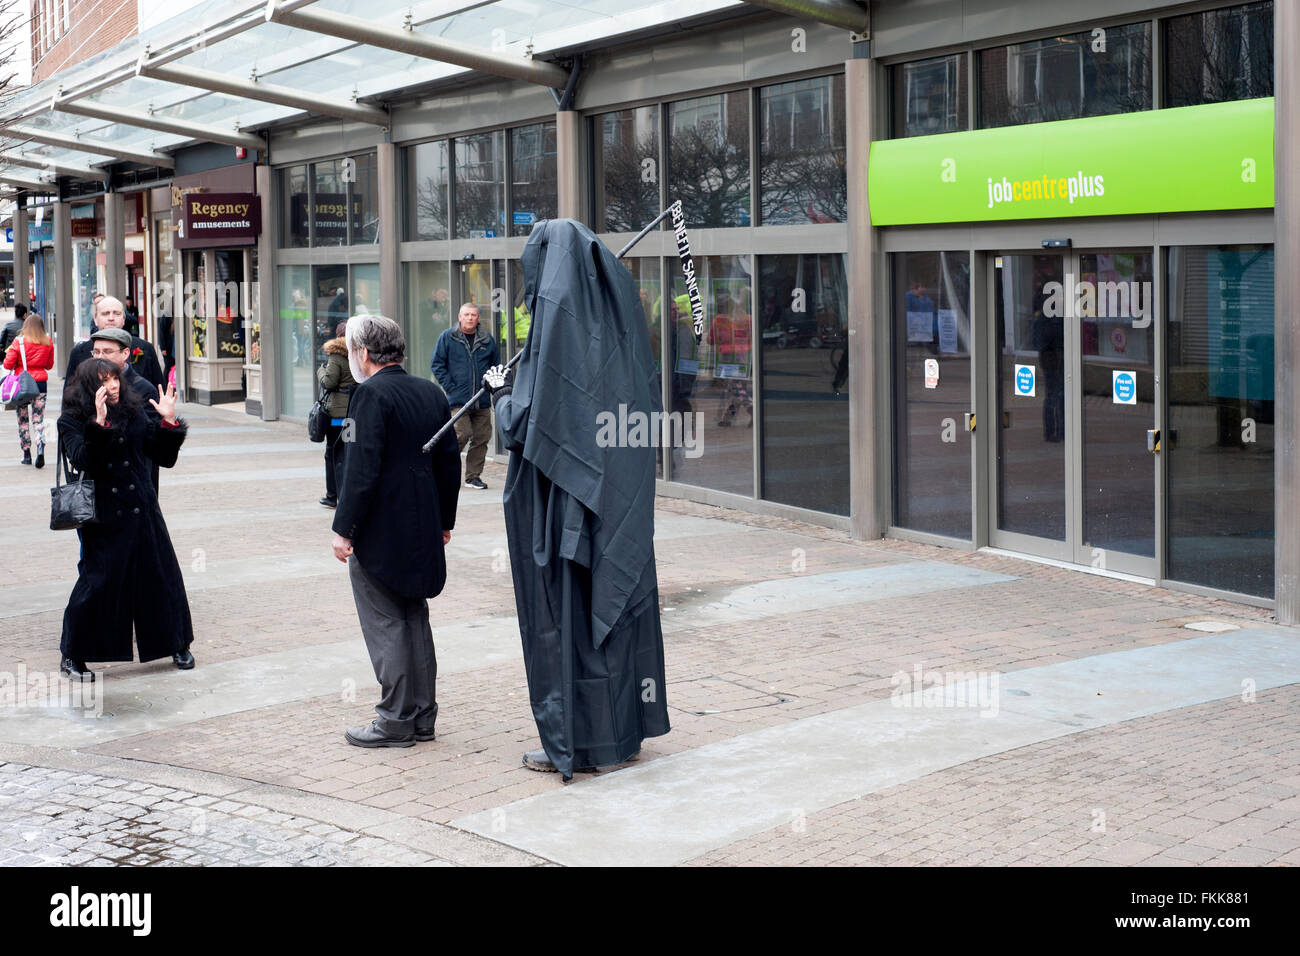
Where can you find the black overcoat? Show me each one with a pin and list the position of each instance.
(128, 570)
(395, 501)
(580, 511)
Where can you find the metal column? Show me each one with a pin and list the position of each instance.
(269, 333)
(1286, 293)
(21, 290)
(568, 164)
(864, 493)
(390, 219)
(114, 248)
(64, 326)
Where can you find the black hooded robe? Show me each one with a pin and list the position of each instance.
(580, 516)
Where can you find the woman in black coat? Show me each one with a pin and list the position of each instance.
(129, 575)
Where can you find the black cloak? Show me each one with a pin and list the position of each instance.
(129, 574)
(579, 516)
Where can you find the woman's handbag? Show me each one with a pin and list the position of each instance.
(71, 505)
(318, 418)
(19, 388)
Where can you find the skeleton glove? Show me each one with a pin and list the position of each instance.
(497, 380)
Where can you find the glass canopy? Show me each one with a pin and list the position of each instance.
(237, 41)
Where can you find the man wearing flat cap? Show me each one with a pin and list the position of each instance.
(116, 345)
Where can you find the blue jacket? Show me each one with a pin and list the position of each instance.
(458, 364)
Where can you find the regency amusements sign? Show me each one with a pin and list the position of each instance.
(1194, 158)
(218, 219)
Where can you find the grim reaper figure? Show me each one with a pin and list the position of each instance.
(580, 515)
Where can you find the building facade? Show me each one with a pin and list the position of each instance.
(998, 279)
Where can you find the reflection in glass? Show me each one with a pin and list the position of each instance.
(712, 378)
(801, 152)
(480, 185)
(803, 322)
(330, 201)
(649, 288)
(932, 449)
(196, 307)
(1117, 337)
(1219, 55)
(1219, 450)
(1031, 425)
(627, 169)
(297, 365)
(332, 305)
(533, 185)
(227, 321)
(708, 159)
(1064, 77)
(429, 311)
(364, 208)
(428, 180)
(930, 96)
(296, 214)
(365, 290)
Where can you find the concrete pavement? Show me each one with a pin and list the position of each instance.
(1070, 717)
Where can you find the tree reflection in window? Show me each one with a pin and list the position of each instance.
(802, 177)
(708, 159)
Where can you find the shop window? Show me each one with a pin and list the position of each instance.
(297, 359)
(430, 310)
(480, 185)
(627, 168)
(429, 182)
(930, 96)
(330, 203)
(713, 377)
(297, 212)
(364, 206)
(1219, 55)
(803, 327)
(708, 159)
(801, 152)
(533, 180)
(1095, 73)
(1219, 449)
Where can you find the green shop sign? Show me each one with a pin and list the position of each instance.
(1218, 156)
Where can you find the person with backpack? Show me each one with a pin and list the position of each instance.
(34, 351)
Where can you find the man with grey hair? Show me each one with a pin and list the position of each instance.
(396, 509)
(460, 357)
(109, 314)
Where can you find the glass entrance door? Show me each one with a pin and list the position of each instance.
(1075, 400)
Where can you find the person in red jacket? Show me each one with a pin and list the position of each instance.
(39, 352)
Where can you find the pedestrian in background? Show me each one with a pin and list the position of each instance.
(128, 577)
(33, 348)
(12, 328)
(460, 358)
(336, 378)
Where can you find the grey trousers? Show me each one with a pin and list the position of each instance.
(400, 642)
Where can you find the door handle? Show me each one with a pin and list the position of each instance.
(1153, 440)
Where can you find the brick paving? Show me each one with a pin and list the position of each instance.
(1150, 777)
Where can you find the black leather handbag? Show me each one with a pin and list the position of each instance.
(73, 504)
(318, 419)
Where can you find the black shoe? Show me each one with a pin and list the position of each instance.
(329, 501)
(76, 670)
(27, 459)
(476, 483)
(424, 735)
(371, 736)
(40, 458)
(184, 660)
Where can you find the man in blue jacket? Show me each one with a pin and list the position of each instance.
(460, 358)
